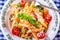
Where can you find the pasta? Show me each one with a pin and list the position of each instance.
(26, 21)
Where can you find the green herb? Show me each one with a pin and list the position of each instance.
(22, 16)
(31, 19)
(28, 39)
(18, 4)
(39, 8)
(22, 30)
(17, 23)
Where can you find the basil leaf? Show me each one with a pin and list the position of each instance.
(31, 19)
(22, 16)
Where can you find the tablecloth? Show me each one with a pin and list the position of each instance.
(57, 2)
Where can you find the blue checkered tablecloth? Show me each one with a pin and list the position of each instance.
(57, 2)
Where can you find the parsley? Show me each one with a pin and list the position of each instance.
(39, 8)
(31, 19)
(18, 4)
(17, 23)
(22, 30)
(28, 39)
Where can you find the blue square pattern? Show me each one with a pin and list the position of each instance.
(57, 2)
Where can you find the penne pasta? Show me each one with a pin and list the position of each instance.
(28, 20)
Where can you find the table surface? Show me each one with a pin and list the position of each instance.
(57, 2)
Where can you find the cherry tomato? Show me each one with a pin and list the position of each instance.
(15, 31)
(41, 35)
(23, 3)
(45, 11)
(48, 18)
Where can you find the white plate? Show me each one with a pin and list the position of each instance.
(53, 26)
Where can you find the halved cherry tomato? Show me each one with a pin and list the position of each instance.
(41, 35)
(23, 3)
(47, 17)
(15, 31)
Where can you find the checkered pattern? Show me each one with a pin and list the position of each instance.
(57, 2)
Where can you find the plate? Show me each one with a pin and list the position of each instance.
(53, 26)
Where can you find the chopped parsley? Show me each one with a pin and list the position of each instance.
(17, 23)
(22, 30)
(39, 8)
(18, 4)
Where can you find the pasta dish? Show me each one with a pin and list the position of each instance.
(29, 21)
